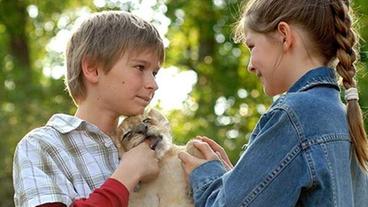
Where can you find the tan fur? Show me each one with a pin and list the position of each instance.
(170, 188)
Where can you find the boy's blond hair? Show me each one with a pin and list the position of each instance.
(103, 39)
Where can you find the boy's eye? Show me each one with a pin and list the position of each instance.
(139, 67)
(154, 73)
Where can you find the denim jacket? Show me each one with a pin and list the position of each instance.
(299, 154)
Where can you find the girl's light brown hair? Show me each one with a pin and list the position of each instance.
(328, 24)
(104, 38)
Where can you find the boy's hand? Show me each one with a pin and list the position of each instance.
(138, 164)
(145, 160)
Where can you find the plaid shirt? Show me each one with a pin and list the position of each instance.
(64, 160)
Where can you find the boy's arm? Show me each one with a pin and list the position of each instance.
(111, 193)
(27, 160)
(115, 191)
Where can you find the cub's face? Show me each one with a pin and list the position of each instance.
(152, 126)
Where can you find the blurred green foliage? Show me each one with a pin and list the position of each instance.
(225, 104)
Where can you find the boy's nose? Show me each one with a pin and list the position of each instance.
(152, 84)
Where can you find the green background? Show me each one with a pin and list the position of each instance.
(200, 35)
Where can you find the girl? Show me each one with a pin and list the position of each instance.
(308, 149)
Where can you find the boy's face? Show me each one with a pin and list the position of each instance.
(130, 84)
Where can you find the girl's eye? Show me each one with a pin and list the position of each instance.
(249, 45)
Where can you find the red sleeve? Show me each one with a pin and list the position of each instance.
(111, 194)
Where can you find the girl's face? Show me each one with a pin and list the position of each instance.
(266, 61)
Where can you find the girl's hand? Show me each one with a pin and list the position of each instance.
(218, 150)
(211, 151)
(190, 162)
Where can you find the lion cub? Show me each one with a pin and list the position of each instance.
(170, 187)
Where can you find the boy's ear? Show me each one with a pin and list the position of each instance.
(284, 30)
(89, 70)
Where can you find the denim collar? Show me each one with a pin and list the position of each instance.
(316, 77)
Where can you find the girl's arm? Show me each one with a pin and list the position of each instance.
(272, 171)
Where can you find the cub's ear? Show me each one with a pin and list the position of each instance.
(126, 123)
(119, 130)
(155, 114)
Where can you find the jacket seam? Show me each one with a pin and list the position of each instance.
(302, 148)
(324, 148)
(301, 139)
(205, 183)
(271, 176)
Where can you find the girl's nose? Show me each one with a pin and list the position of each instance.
(251, 68)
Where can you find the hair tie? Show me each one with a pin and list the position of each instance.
(351, 94)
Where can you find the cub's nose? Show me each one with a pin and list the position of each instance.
(141, 128)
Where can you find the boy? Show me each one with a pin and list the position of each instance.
(112, 60)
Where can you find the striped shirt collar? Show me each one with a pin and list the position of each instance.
(65, 123)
